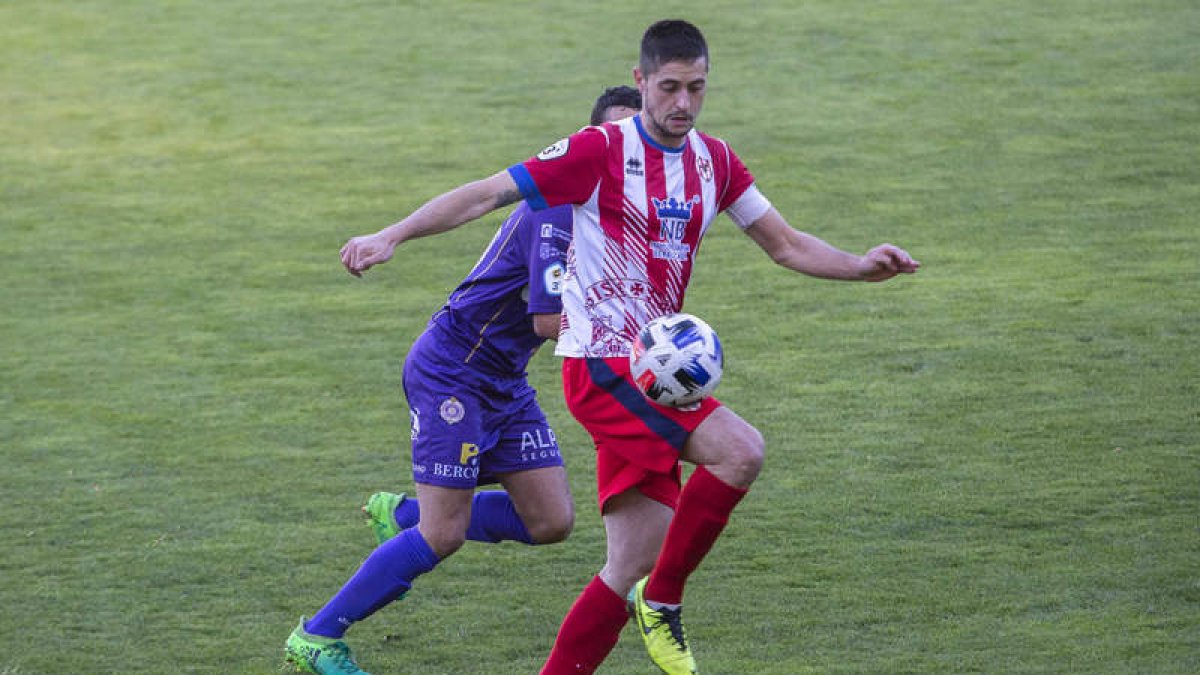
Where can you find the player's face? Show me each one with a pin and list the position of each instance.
(671, 98)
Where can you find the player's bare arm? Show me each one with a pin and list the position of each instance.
(547, 325)
(804, 253)
(440, 214)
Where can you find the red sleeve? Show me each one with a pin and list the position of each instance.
(738, 177)
(564, 173)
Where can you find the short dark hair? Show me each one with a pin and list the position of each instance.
(624, 96)
(671, 40)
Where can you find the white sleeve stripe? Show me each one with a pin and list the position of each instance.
(728, 161)
(748, 208)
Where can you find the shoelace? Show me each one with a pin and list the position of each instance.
(673, 619)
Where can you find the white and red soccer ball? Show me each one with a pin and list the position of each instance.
(676, 360)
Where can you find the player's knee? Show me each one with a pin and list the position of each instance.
(443, 542)
(552, 529)
(745, 455)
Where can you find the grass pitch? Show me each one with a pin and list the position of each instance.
(989, 467)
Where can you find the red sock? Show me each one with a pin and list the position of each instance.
(703, 510)
(589, 631)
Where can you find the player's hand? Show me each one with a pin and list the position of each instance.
(361, 253)
(886, 261)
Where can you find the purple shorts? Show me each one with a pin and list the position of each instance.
(469, 426)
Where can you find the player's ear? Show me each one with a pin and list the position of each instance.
(638, 80)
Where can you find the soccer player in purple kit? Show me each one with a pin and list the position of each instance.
(475, 420)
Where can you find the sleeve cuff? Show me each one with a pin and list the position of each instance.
(748, 208)
(527, 187)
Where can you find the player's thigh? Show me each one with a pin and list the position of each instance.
(634, 526)
(542, 498)
(445, 515)
(725, 438)
(524, 440)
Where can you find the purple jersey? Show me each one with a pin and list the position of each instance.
(474, 415)
(486, 322)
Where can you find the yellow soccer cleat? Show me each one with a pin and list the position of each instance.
(662, 631)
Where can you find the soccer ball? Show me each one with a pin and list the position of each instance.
(676, 360)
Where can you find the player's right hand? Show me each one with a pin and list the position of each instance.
(361, 253)
(886, 261)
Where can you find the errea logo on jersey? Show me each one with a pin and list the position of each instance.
(555, 151)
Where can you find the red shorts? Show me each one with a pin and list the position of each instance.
(637, 441)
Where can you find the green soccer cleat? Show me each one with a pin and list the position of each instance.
(380, 510)
(319, 655)
(662, 631)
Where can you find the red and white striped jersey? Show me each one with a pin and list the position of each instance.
(640, 211)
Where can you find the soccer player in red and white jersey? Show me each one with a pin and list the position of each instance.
(644, 192)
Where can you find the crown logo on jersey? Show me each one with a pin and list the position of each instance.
(673, 208)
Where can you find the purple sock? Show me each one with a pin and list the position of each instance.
(493, 518)
(408, 513)
(384, 576)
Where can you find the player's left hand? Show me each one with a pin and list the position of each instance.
(886, 261)
(361, 253)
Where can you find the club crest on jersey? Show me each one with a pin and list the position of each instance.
(673, 209)
(704, 167)
(673, 218)
(452, 410)
(555, 151)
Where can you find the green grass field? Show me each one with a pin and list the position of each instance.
(991, 467)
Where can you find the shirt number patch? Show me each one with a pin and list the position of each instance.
(553, 278)
(555, 151)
